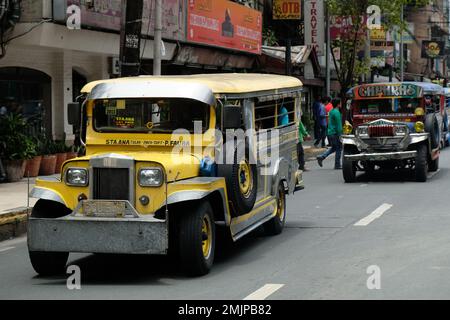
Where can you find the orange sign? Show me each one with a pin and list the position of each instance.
(225, 24)
(287, 10)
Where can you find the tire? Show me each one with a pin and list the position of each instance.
(242, 181)
(48, 263)
(432, 127)
(348, 168)
(433, 166)
(276, 225)
(422, 163)
(197, 239)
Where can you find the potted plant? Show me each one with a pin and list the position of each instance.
(15, 146)
(72, 152)
(48, 163)
(34, 164)
(61, 155)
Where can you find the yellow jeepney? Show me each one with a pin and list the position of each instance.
(170, 160)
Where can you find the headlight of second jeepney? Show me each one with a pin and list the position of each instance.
(362, 131)
(150, 177)
(77, 177)
(401, 130)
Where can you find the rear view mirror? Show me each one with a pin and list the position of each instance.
(74, 113)
(232, 118)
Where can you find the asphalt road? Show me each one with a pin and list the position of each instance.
(334, 233)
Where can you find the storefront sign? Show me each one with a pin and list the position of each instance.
(433, 49)
(314, 25)
(107, 15)
(342, 27)
(387, 91)
(287, 10)
(224, 24)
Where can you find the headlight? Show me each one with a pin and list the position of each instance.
(348, 128)
(419, 127)
(150, 177)
(401, 130)
(77, 177)
(363, 131)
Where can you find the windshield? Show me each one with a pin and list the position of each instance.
(149, 115)
(374, 106)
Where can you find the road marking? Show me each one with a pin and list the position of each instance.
(264, 292)
(6, 249)
(374, 215)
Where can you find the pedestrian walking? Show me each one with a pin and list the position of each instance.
(334, 135)
(322, 118)
(302, 136)
(316, 111)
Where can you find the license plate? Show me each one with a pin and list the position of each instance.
(104, 209)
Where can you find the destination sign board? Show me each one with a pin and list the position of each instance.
(387, 91)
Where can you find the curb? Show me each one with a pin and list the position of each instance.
(13, 223)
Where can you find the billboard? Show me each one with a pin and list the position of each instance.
(433, 49)
(287, 9)
(107, 14)
(224, 24)
(315, 25)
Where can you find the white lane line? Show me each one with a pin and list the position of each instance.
(374, 215)
(6, 249)
(264, 292)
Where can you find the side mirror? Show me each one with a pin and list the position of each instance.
(232, 117)
(74, 113)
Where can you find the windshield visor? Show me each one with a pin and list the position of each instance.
(150, 115)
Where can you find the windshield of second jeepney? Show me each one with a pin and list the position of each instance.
(388, 105)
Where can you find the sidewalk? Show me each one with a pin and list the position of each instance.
(13, 207)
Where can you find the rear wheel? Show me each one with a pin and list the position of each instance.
(48, 263)
(422, 163)
(275, 226)
(197, 239)
(349, 167)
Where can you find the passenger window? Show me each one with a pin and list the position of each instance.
(274, 114)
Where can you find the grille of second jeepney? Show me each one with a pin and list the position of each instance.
(111, 184)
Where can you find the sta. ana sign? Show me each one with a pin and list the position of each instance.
(388, 91)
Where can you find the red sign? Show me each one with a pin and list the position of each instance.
(342, 27)
(225, 24)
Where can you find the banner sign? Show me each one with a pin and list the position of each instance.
(341, 27)
(225, 24)
(387, 91)
(287, 9)
(433, 49)
(107, 15)
(315, 25)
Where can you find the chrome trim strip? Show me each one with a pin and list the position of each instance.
(41, 193)
(382, 156)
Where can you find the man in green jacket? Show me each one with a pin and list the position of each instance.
(334, 135)
(302, 134)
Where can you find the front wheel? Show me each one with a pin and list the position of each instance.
(275, 226)
(48, 263)
(348, 168)
(197, 239)
(422, 163)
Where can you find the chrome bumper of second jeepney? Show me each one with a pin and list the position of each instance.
(382, 156)
(118, 231)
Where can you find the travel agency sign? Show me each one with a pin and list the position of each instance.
(315, 25)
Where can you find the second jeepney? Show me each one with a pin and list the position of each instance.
(394, 126)
(152, 180)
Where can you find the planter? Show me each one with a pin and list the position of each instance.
(72, 155)
(60, 159)
(15, 170)
(33, 166)
(48, 165)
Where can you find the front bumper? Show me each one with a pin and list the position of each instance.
(382, 156)
(75, 233)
